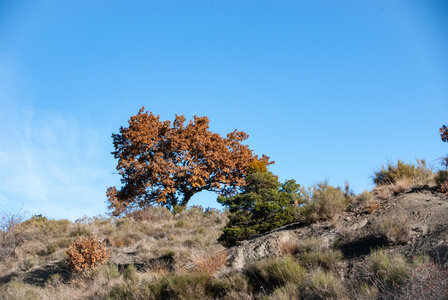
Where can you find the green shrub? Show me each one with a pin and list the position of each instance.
(133, 291)
(47, 226)
(183, 286)
(326, 259)
(270, 273)
(110, 271)
(56, 245)
(441, 177)
(54, 280)
(366, 292)
(395, 227)
(388, 268)
(324, 202)
(325, 285)
(391, 173)
(263, 205)
(130, 273)
(180, 224)
(232, 286)
(287, 292)
(365, 197)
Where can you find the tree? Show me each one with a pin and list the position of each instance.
(166, 164)
(263, 205)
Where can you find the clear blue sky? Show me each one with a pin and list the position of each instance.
(329, 89)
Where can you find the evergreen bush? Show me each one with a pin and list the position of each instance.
(263, 205)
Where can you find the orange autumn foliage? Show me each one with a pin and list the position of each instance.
(86, 253)
(167, 163)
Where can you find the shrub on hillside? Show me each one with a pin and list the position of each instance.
(386, 269)
(391, 173)
(87, 253)
(325, 285)
(10, 237)
(263, 205)
(270, 273)
(47, 227)
(427, 280)
(441, 177)
(184, 286)
(395, 227)
(324, 202)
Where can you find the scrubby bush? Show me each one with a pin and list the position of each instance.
(442, 181)
(325, 285)
(395, 227)
(441, 177)
(47, 227)
(365, 197)
(109, 271)
(391, 173)
(326, 259)
(87, 253)
(268, 274)
(263, 205)
(427, 280)
(130, 273)
(10, 237)
(387, 269)
(324, 202)
(188, 286)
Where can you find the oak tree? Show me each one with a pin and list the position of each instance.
(167, 163)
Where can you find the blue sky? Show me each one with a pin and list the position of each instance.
(329, 89)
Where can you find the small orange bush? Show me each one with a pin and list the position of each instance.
(86, 253)
(444, 188)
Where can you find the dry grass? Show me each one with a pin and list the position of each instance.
(418, 174)
(401, 185)
(324, 202)
(212, 263)
(149, 237)
(289, 247)
(365, 197)
(395, 227)
(326, 285)
(383, 192)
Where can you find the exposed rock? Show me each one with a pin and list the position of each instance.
(357, 233)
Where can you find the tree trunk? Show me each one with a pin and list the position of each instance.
(187, 197)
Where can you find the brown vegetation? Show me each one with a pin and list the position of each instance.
(167, 163)
(87, 253)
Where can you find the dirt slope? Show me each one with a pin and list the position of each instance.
(357, 232)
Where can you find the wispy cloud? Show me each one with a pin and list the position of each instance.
(53, 164)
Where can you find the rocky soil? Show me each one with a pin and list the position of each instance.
(357, 232)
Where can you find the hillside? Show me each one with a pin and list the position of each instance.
(383, 247)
